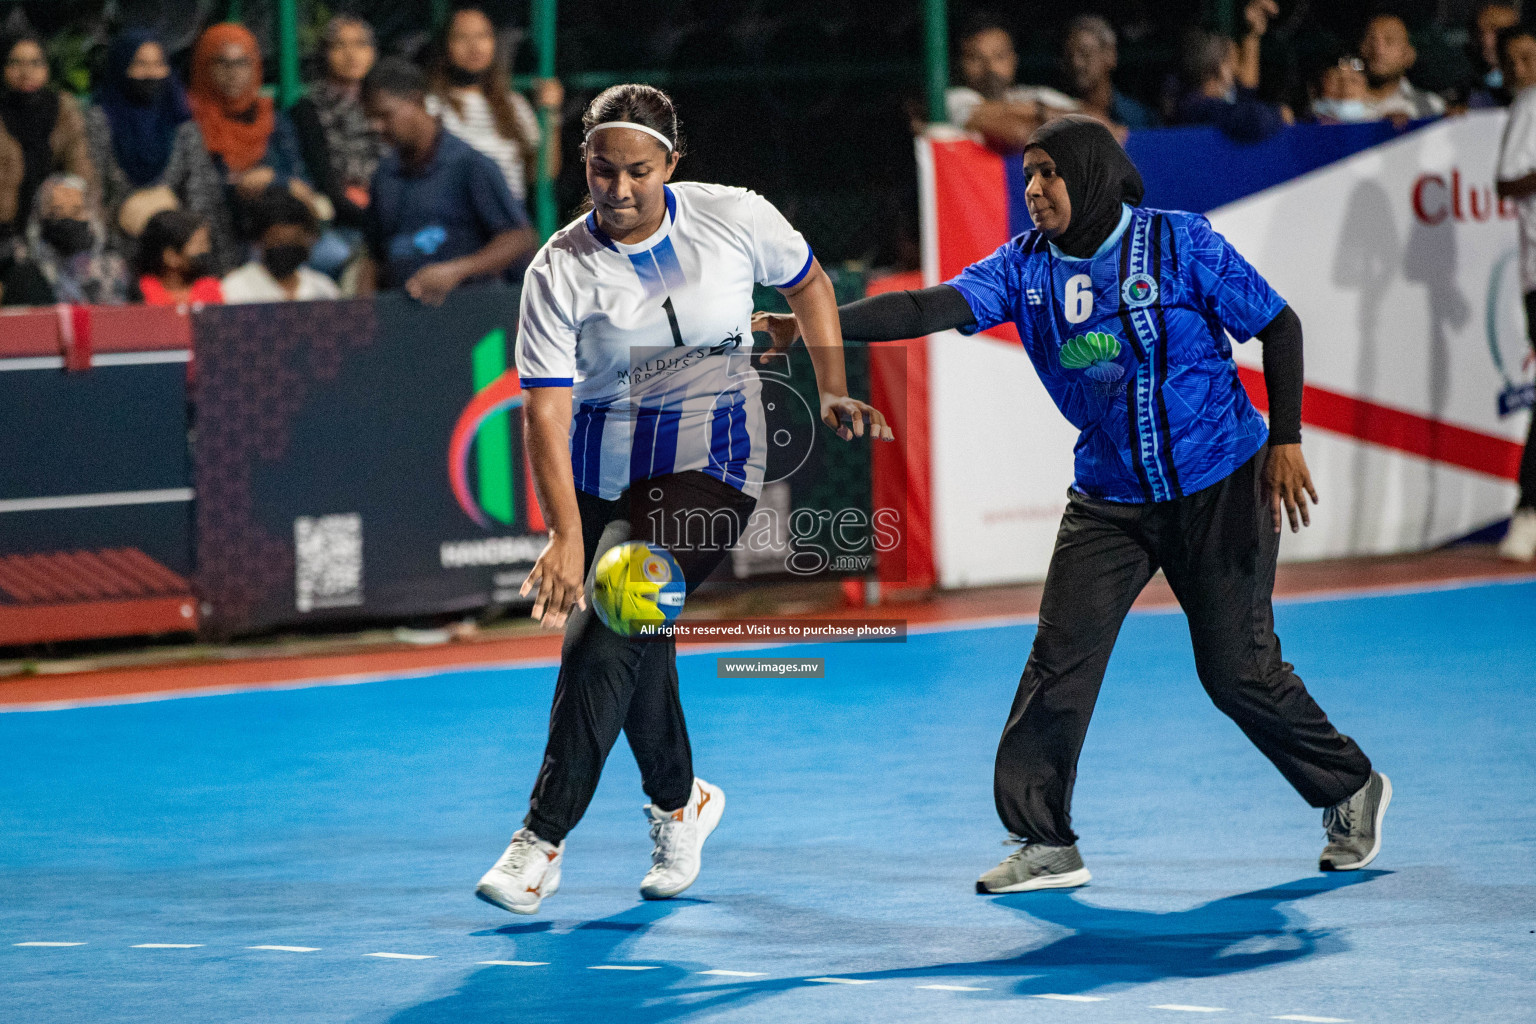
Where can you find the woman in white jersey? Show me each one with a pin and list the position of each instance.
(643, 411)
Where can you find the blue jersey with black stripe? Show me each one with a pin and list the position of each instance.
(1134, 346)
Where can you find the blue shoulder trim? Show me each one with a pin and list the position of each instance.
(810, 257)
(546, 382)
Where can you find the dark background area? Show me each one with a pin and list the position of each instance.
(810, 103)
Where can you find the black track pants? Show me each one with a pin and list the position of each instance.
(608, 682)
(1217, 548)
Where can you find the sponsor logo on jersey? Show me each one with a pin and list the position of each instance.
(1094, 353)
(1139, 290)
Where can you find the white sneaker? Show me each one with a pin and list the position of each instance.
(1519, 544)
(679, 837)
(528, 871)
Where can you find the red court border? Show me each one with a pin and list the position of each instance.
(136, 685)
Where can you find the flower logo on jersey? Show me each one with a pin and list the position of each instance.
(1139, 290)
(1094, 353)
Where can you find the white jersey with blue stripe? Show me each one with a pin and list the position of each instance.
(655, 338)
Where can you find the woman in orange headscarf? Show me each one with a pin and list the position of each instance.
(237, 121)
(251, 142)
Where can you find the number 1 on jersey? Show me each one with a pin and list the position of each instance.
(677, 335)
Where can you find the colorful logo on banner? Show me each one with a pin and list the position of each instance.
(1515, 395)
(485, 426)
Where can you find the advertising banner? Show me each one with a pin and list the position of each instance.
(359, 460)
(1399, 260)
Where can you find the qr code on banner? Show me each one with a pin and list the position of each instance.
(328, 561)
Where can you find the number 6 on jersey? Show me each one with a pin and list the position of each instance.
(1078, 300)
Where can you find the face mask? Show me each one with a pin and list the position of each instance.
(200, 266)
(68, 236)
(143, 92)
(461, 78)
(282, 260)
(1343, 110)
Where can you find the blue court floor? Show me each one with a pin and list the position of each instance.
(168, 842)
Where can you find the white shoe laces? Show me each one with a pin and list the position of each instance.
(667, 835)
(519, 853)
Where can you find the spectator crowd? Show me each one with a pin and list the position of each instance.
(394, 173)
(1237, 83)
(386, 174)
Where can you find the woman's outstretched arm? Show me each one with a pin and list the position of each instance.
(889, 317)
(814, 303)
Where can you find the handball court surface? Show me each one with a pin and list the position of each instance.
(248, 852)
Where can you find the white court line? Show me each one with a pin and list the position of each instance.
(842, 981)
(289, 949)
(515, 963)
(1190, 1009)
(736, 974)
(47, 943)
(1313, 1020)
(1069, 999)
(404, 956)
(168, 945)
(625, 967)
(955, 988)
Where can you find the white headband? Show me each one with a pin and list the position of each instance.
(652, 132)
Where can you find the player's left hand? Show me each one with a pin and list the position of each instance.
(432, 283)
(783, 328)
(847, 416)
(1288, 484)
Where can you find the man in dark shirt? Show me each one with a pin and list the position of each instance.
(1222, 77)
(1089, 56)
(441, 211)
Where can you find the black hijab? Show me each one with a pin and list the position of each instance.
(144, 119)
(1098, 175)
(29, 118)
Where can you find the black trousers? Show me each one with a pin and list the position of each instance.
(1528, 458)
(1217, 548)
(608, 682)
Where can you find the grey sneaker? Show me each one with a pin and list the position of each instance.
(1035, 866)
(1354, 826)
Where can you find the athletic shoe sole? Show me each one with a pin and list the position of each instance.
(1381, 812)
(1068, 880)
(491, 896)
(708, 819)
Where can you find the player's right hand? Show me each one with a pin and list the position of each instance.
(783, 328)
(559, 578)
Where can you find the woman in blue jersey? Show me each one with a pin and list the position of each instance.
(1125, 313)
(644, 421)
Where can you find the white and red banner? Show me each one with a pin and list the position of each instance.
(1397, 257)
